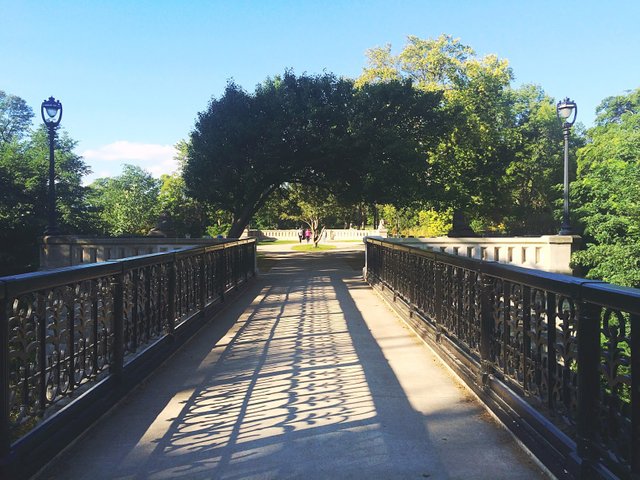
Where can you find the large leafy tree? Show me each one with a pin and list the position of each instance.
(607, 193)
(497, 158)
(465, 166)
(24, 163)
(303, 129)
(531, 183)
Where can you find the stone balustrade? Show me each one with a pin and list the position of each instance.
(69, 250)
(331, 234)
(551, 253)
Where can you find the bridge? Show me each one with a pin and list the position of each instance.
(187, 365)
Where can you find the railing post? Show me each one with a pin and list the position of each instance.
(246, 257)
(171, 287)
(94, 317)
(551, 313)
(135, 317)
(147, 303)
(635, 393)
(203, 283)
(5, 436)
(588, 384)
(437, 305)
(255, 258)
(486, 328)
(222, 272)
(71, 319)
(117, 287)
(42, 351)
(526, 339)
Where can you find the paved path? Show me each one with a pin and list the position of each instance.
(306, 376)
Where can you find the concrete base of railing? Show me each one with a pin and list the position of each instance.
(69, 250)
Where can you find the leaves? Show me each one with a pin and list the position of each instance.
(607, 193)
(314, 130)
(127, 204)
(24, 173)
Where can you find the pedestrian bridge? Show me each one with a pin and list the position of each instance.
(186, 365)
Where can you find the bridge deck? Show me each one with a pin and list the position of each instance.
(307, 375)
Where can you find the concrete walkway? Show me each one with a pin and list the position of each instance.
(307, 376)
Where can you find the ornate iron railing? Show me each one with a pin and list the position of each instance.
(556, 357)
(69, 332)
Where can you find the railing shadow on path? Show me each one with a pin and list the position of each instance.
(293, 382)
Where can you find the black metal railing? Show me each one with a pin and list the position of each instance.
(69, 333)
(556, 357)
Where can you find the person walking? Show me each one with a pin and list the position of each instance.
(307, 235)
(300, 234)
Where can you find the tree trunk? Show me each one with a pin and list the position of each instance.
(317, 238)
(241, 218)
(376, 217)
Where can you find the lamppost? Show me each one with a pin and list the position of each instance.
(567, 111)
(51, 111)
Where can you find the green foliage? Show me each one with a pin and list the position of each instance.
(534, 175)
(15, 118)
(471, 142)
(416, 222)
(314, 130)
(497, 152)
(188, 216)
(310, 205)
(127, 204)
(607, 193)
(24, 170)
(272, 214)
(312, 247)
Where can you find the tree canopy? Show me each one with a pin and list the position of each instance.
(315, 130)
(497, 156)
(607, 192)
(24, 163)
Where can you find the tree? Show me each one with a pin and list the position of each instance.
(497, 155)
(127, 204)
(533, 177)
(306, 129)
(24, 163)
(189, 217)
(311, 205)
(607, 193)
(15, 118)
(465, 166)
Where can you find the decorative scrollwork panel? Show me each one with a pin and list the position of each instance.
(614, 425)
(564, 383)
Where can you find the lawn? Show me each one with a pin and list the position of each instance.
(277, 242)
(308, 247)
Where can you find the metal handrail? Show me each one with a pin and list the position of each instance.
(557, 357)
(88, 333)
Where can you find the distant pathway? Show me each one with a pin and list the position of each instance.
(307, 376)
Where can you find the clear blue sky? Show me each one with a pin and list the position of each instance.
(132, 75)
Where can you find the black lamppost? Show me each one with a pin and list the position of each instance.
(51, 115)
(567, 111)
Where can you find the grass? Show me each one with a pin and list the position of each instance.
(308, 247)
(277, 242)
